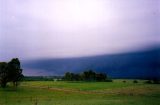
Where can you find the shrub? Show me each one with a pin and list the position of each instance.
(124, 81)
(156, 81)
(135, 81)
(108, 80)
(148, 81)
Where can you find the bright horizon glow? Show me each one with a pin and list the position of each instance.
(76, 28)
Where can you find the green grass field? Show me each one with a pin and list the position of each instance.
(81, 93)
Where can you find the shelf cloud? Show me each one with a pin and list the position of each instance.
(74, 28)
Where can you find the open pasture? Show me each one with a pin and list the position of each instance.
(81, 93)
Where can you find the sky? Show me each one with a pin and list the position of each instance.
(31, 29)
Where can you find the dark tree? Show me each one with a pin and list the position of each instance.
(101, 77)
(77, 77)
(14, 71)
(10, 72)
(68, 76)
(3, 74)
(89, 75)
(85, 76)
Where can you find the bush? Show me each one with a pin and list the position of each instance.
(109, 80)
(124, 81)
(156, 81)
(135, 81)
(148, 81)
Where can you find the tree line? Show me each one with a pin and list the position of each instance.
(10, 72)
(89, 75)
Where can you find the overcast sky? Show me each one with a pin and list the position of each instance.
(71, 28)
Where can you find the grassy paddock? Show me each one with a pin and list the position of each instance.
(81, 93)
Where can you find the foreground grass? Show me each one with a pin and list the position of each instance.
(81, 93)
